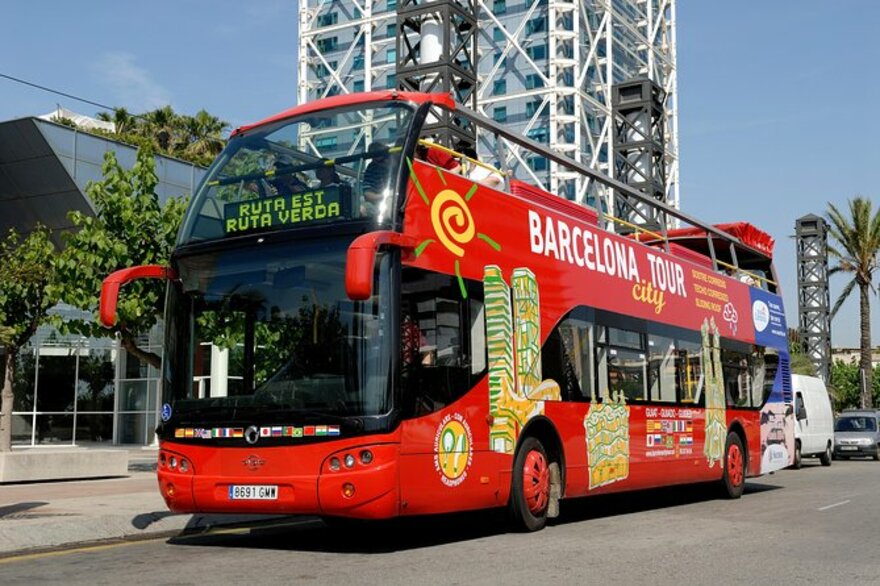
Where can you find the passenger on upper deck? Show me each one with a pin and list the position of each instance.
(481, 174)
(327, 176)
(376, 177)
(439, 157)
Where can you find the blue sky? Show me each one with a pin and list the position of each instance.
(777, 99)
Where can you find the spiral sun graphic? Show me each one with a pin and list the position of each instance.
(452, 221)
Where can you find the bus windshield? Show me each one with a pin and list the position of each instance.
(268, 328)
(334, 165)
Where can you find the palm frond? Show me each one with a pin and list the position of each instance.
(843, 295)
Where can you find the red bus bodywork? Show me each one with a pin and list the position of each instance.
(470, 231)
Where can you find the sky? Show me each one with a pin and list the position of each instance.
(778, 100)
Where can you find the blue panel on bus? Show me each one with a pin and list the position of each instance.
(768, 319)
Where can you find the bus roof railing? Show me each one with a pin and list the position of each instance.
(662, 207)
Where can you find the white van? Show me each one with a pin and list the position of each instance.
(814, 428)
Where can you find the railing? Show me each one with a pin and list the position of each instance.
(607, 221)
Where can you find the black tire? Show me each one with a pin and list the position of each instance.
(877, 455)
(521, 516)
(798, 457)
(825, 457)
(733, 483)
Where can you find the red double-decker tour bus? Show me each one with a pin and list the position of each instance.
(362, 323)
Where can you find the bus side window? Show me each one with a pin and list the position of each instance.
(735, 368)
(567, 356)
(689, 369)
(443, 340)
(622, 355)
(662, 368)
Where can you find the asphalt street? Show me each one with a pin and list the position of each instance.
(812, 526)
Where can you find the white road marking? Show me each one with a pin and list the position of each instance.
(825, 508)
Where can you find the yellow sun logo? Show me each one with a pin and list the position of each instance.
(452, 221)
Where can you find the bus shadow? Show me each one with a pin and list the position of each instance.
(310, 534)
(611, 505)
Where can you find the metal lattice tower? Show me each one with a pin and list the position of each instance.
(437, 52)
(638, 147)
(545, 68)
(814, 298)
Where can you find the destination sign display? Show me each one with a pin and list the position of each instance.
(297, 209)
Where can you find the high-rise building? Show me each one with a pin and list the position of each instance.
(545, 68)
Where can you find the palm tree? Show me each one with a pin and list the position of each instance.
(858, 235)
(161, 126)
(204, 134)
(123, 121)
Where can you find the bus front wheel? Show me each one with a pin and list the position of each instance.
(530, 490)
(734, 479)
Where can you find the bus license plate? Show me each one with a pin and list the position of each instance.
(253, 492)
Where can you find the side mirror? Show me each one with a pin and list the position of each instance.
(361, 260)
(111, 285)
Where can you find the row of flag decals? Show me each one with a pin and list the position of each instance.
(270, 431)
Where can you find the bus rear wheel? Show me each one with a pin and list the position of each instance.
(734, 478)
(530, 486)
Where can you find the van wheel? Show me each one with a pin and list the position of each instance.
(734, 478)
(530, 489)
(877, 455)
(797, 456)
(826, 457)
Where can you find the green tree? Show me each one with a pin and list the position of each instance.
(203, 136)
(26, 274)
(857, 250)
(123, 121)
(129, 228)
(846, 386)
(800, 363)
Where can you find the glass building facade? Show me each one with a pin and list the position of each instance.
(70, 390)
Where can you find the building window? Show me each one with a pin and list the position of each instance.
(328, 19)
(357, 62)
(497, 35)
(322, 70)
(499, 87)
(328, 44)
(391, 81)
(538, 164)
(537, 52)
(391, 30)
(499, 7)
(501, 59)
(391, 56)
(536, 25)
(499, 114)
(534, 81)
(358, 85)
(539, 134)
(392, 4)
(532, 107)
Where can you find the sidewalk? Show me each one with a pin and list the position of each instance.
(50, 514)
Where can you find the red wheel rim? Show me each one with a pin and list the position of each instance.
(735, 464)
(536, 482)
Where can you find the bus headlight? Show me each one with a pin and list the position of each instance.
(349, 460)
